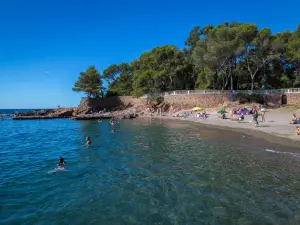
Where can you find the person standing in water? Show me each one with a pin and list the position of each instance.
(112, 122)
(88, 140)
(61, 162)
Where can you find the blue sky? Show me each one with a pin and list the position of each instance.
(44, 44)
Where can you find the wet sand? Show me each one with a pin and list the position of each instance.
(276, 128)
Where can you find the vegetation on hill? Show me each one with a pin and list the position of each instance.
(229, 56)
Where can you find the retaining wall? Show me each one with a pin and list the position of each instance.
(182, 101)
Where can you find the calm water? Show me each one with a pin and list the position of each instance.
(164, 172)
(11, 111)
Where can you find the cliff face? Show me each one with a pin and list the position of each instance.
(88, 105)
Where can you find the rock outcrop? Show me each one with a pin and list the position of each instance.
(118, 114)
(45, 114)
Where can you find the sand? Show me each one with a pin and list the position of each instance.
(275, 129)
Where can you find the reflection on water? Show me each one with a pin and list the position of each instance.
(159, 172)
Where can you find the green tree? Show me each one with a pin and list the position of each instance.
(216, 54)
(111, 73)
(89, 82)
(192, 39)
(168, 68)
(119, 79)
(293, 55)
(259, 53)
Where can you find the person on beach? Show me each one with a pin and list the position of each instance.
(255, 118)
(88, 141)
(262, 113)
(241, 117)
(294, 119)
(222, 116)
(298, 130)
(61, 162)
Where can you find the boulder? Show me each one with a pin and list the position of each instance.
(63, 112)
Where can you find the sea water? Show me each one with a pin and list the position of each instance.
(148, 172)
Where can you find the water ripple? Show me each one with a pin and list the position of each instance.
(146, 173)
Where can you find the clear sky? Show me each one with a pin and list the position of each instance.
(44, 44)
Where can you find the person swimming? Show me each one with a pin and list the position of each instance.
(88, 140)
(113, 130)
(100, 121)
(112, 121)
(61, 162)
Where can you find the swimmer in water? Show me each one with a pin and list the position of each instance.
(61, 162)
(88, 140)
(100, 121)
(113, 130)
(112, 121)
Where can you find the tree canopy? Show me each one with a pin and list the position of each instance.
(229, 56)
(89, 82)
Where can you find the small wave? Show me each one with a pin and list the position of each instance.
(55, 170)
(297, 155)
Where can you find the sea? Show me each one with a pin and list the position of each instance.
(147, 172)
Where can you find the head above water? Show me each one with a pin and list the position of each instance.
(61, 159)
(88, 138)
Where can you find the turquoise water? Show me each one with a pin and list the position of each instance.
(161, 172)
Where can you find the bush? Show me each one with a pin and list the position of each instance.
(253, 98)
(155, 99)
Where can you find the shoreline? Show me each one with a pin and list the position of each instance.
(275, 133)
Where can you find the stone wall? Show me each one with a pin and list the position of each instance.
(273, 100)
(202, 100)
(293, 99)
(276, 100)
(181, 101)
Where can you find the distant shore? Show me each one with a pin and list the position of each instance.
(276, 128)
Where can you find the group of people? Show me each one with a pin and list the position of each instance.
(202, 115)
(254, 111)
(112, 122)
(296, 120)
(62, 162)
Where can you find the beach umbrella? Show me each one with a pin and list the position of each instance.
(222, 111)
(196, 108)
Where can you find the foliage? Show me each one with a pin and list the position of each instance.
(155, 99)
(162, 69)
(234, 56)
(257, 98)
(89, 82)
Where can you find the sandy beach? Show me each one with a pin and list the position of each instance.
(275, 129)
